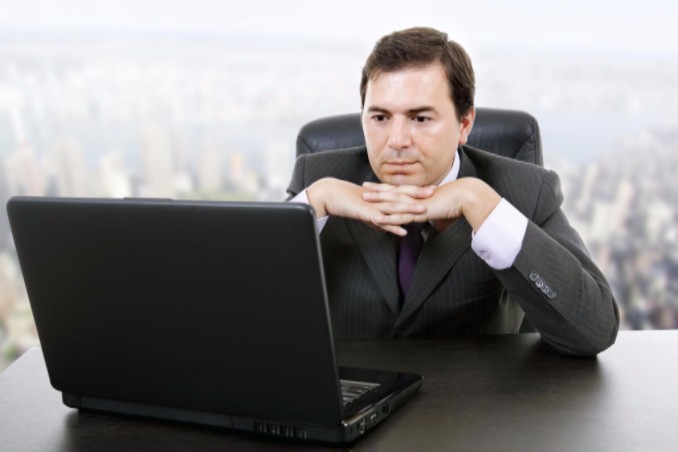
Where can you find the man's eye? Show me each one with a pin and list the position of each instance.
(379, 118)
(422, 119)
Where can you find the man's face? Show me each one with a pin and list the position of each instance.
(411, 127)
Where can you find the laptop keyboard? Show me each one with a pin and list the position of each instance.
(352, 390)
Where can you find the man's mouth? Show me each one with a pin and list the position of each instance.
(399, 166)
(402, 163)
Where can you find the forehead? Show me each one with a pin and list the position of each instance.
(408, 87)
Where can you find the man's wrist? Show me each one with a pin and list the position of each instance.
(500, 239)
(316, 196)
(478, 202)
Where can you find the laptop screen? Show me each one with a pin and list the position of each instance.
(135, 298)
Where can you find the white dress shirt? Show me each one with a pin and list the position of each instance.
(500, 237)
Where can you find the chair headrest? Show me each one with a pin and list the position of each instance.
(511, 133)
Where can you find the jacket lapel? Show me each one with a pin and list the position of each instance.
(379, 251)
(441, 251)
(437, 258)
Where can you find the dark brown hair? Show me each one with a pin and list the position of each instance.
(418, 47)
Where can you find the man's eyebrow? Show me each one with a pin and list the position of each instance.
(411, 111)
(424, 109)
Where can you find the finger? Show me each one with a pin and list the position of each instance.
(373, 223)
(393, 229)
(412, 191)
(380, 187)
(398, 219)
(397, 195)
(391, 208)
(416, 192)
(376, 186)
(388, 196)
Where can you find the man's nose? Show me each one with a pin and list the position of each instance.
(399, 134)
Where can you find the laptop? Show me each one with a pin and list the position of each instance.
(214, 313)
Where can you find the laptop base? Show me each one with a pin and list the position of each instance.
(348, 431)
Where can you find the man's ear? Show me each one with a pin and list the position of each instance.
(466, 125)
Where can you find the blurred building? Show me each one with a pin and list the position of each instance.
(624, 206)
(70, 168)
(5, 194)
(157, 163)
(24, 173)
(210, 168)
(279, 161)
(113, 176)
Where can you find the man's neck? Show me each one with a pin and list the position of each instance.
(454, 171)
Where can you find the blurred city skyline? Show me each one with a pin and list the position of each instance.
(105, 100)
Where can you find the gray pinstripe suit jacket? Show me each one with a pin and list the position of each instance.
(553, 280)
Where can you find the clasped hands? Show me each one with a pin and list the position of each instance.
(389, 207)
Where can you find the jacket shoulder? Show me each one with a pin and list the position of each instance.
(521, 183)
(349, 164)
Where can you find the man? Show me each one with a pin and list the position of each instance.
(497, 245)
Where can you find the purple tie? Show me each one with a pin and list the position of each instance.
(410, 246)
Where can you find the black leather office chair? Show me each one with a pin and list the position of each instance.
(510, 133)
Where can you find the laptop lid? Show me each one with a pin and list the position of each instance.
(213, 307)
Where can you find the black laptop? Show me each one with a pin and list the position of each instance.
(207, 312)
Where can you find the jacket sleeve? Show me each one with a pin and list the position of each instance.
(564, 295)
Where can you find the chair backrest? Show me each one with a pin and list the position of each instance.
(511, 133)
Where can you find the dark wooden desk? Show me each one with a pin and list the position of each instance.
(492, 393)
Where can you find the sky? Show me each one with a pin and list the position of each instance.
(640, 28)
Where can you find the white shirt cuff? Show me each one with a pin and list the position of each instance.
(303, 199)
(500, 237)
